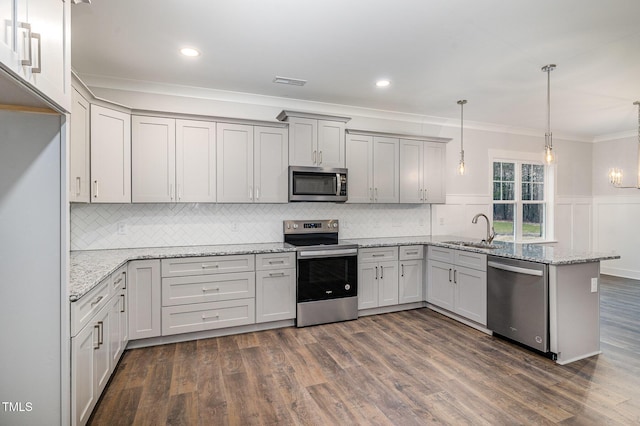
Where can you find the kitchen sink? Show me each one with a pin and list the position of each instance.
(480, 245)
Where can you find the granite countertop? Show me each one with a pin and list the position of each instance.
(552, 254)
(89, 268)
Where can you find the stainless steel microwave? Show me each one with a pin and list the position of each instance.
(317, 184)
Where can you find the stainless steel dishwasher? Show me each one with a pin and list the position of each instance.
(518, 301)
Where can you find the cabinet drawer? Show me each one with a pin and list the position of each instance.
(84, 309)
(441, 254)
(208, 288)
(207, 316)
(378, 254)
(471, 260)
(119, 280)
(207, 265)
(411, 252)
(269, 261)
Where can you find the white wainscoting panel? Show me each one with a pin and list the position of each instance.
(110, 226)
(616, 228)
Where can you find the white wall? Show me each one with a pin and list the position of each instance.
(94, 226)
(616, 211)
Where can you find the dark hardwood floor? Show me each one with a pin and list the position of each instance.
(408, 368)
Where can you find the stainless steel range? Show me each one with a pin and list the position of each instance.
(327, 283)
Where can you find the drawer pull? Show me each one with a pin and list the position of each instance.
(276, 274)
(118, 281)
(209, 266)
(94, 303)
(378, 255)
(412, 252)
(204, 317)
(275, 262)
(204, 289)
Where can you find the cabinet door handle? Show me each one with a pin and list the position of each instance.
(370, 194)
(124, 277)
(449, 274)
(95, 186)
(402, 270)
(78, 186)
(376, 197)
(314, 156)
(382, 272)
(123, 307)
(29, 60)
(376, 272)
(38, 69)
(455, 276)
(320, 158)
(178, 192)
(257, 193)
(426, 197)
(96, 345)
(250, 193)
(420, 194)
(101, 334)
(171, 191)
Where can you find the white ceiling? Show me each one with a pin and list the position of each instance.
(435, 52)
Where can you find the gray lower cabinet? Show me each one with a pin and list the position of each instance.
(275, 287)
(144, 299)
(99, 336)
(457, 282)
(377, 277)
(206, 293)
(411, 274)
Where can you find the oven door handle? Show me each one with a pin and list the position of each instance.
(327, 253)
(338, 184)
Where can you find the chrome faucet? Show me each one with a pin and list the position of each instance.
(491, 233)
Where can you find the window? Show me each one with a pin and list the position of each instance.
(519, 200)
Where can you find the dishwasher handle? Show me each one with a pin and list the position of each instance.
(515, 269)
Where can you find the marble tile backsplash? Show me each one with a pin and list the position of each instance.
(110, 226)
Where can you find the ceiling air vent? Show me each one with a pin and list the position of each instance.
(290, 81)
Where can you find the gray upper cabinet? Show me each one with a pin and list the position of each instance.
(315, 140)
(79, 149)
(422, 171)
(35, 46)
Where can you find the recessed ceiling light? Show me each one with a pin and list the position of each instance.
(189, 51)
(383, 83)
(290, 81)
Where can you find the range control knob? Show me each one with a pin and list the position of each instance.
(347, 286)
(295, 226)
(335, 225)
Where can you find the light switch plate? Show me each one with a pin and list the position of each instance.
(594, 285)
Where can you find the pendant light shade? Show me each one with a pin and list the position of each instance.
(616, 175)
(461, 164)
(549, 156)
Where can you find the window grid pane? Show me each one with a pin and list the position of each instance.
(503, 181)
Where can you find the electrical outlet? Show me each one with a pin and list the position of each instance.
(594, 285)
(122, 228)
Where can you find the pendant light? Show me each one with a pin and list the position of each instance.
(461, 164)
(615, 175)
(548, 138)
